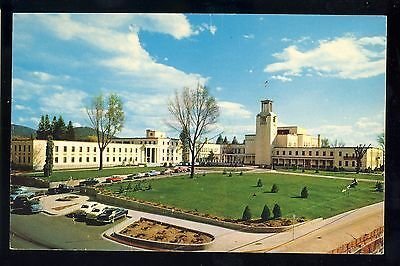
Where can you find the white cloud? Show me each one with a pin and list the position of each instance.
(281, 78)
(69, 102)
(124, 52)
(233, 109)
(218, 88)
(25, 90)
(43, 76)
(248, 36)
(206, 27)
(76, 124)
(250, 70)
(22, 107)
(345, 57)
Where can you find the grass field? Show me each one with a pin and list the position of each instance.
(224, 196)
(340, 174)
(86, 173)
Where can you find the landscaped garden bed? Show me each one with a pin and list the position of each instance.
(158, 235)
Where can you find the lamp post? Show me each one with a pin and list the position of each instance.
(294, 216)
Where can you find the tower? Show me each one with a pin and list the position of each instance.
(266, 130)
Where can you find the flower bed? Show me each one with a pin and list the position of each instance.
(158, 235)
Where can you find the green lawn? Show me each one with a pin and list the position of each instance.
(86, 173)
(224, 196)
(339, 174)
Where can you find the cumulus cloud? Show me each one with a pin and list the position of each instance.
(206, 27)
(248, 36)
(281, 78)
(233, 109)
(346, 58)
(69, 102)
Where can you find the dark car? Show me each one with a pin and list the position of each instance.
(24, 205)
(88, 182)
(109, 215)
(62, 188)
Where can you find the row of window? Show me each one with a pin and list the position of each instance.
(80, 159)
(94, 149)
(146, 142)
(346, 163)
(309, 153)
(73, 149)
(24, 159)
(22, 148)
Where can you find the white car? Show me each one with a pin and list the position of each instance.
(84, 210)
(154, 173)
(96, 210)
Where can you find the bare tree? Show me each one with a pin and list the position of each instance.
(194, 111)
(360, 151)
(107, 119)
(337, 143)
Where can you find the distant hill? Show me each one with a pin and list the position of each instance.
(81, 133)
(22, 131)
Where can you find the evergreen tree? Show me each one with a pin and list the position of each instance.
(53, 125)
(219, 140)
(266, 214)
(246, 214)
(48, 167)
(234, 141)
(47, 127)
(70, 132)
(274, 188)
(304, 193)
(277, 211)
(60, 129)
(225, 141)
(259, 183)
(40, 132)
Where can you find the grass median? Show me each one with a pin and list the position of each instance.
(224, 196)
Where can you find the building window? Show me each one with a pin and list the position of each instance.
(119, 159)
(346, 163)
(126, 149)
(290, 152)
(23, 159)
(73, 148)
(283, 152)
(24, 148)
(65, 148)
(177, 158)
(113, 149)
(131, 150)
(88, 149)
(113, 159)
(29, 159)
(94, 159)
(331, 153)
(80, 149)
(72, 159)
(56, 159)
(19, 149)
(56, 148)
(340, 163)
(310, 153)
(136, 159)
(347, 155)
(297, 152)
(87, 159)
(324, 153)
(353, 163)
(340, 153)
(120, 149)
(303, 153)
(108, 149)
(108, 159)
(19, 159)
(94, 149)
(80, 159)
(136, 150)
(317, 153)
(64, 159)
(29, 148)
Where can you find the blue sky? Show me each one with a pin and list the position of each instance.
(325, 73)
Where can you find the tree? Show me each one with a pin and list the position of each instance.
(381, 140)
(360, 151)
(277, 211)
(40, 132)
(246, 214)
(47, 127)
(48, 166)
(70, 132)
(53, 125)
(274, 188)
(185, 145)
(219, 140)
(107, 118)
(234, 141)
(195, 111)
(266, 214)
(225, 141)
(325, 143)
(304, 193)
(259, 183)
(337, 143)
(59, 129)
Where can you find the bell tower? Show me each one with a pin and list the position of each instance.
(266, 130)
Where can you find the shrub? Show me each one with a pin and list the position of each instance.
(204, 173)
(335, 169)
(246, 214)
(129, 186)
(230, 174)
(259, 183)
(303, 170)
(277, 211)
(266, 214)
(224, 172)
(379, 186)
(304, 193)
(121, 189)
(241, 173)
(294, 167)
(317, 171)
(274, 188)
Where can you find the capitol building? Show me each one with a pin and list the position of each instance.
(269, 146)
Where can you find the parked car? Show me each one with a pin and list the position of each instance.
(109, 215)
(113, 179)
(25, 205)
(147, 174)
(62, 188)
(94, 212)
(167, 172)
(16, 191)
(88, 182)
(154, 173)
(84, 210)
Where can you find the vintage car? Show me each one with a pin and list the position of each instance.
(109, 215)
(112, 179)
(88, 182)
(62, 188)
